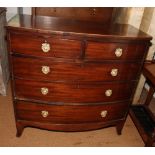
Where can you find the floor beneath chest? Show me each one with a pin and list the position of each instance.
(36, 137)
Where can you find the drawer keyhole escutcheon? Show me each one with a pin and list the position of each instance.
(45, 69)
(118, 52)
(104, 113)
(44, 91)
(114, 72)
(108, 92)
(45, 47)
(44, 113)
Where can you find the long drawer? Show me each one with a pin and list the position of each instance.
(44, 47)
(68, 92)
(46, 69)
(115, 51)
(70, 113)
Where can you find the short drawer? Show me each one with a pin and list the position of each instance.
(70, 113)
(46, 47)
(73, 93)
(48, 70)
(115, 51)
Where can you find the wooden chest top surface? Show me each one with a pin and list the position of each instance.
(62, 26)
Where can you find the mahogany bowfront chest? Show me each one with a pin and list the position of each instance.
(72, 75)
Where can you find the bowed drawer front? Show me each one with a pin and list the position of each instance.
(69, 113)
(73, 79)
(58, 92)
(47, 70)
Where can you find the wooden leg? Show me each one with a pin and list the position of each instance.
(20, 129)
(119, 127)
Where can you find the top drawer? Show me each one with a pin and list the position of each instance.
(114, 51)
(49, 47)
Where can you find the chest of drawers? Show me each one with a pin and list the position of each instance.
(70, 75)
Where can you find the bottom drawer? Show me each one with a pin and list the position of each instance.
(70, 113)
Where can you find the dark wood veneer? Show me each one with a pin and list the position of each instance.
(106, 51)
(59, 47)
(77, 71)
(70, 113)
(99, 14)
(66, 27)
(81, 58)
(62, 92)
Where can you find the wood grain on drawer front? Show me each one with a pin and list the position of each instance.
(107, 50)
(66, 71)
(79, 93)
(70, 113)
(32, 45)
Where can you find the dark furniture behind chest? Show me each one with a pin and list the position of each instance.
(73, 75)
(142, 115)
(98, 14)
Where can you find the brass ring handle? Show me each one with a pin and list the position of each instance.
(44, 91)
(118, 52)
(104, 113)
(45, 47)
(44, 113)
(108, 92)
(114, 72)
(45, 69)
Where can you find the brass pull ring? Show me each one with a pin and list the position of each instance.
(44, 113)
(108, 92)
(45, 47)
(104, 113)
(114, 72)
(44, 91)
(45, 69)
(118, 52)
